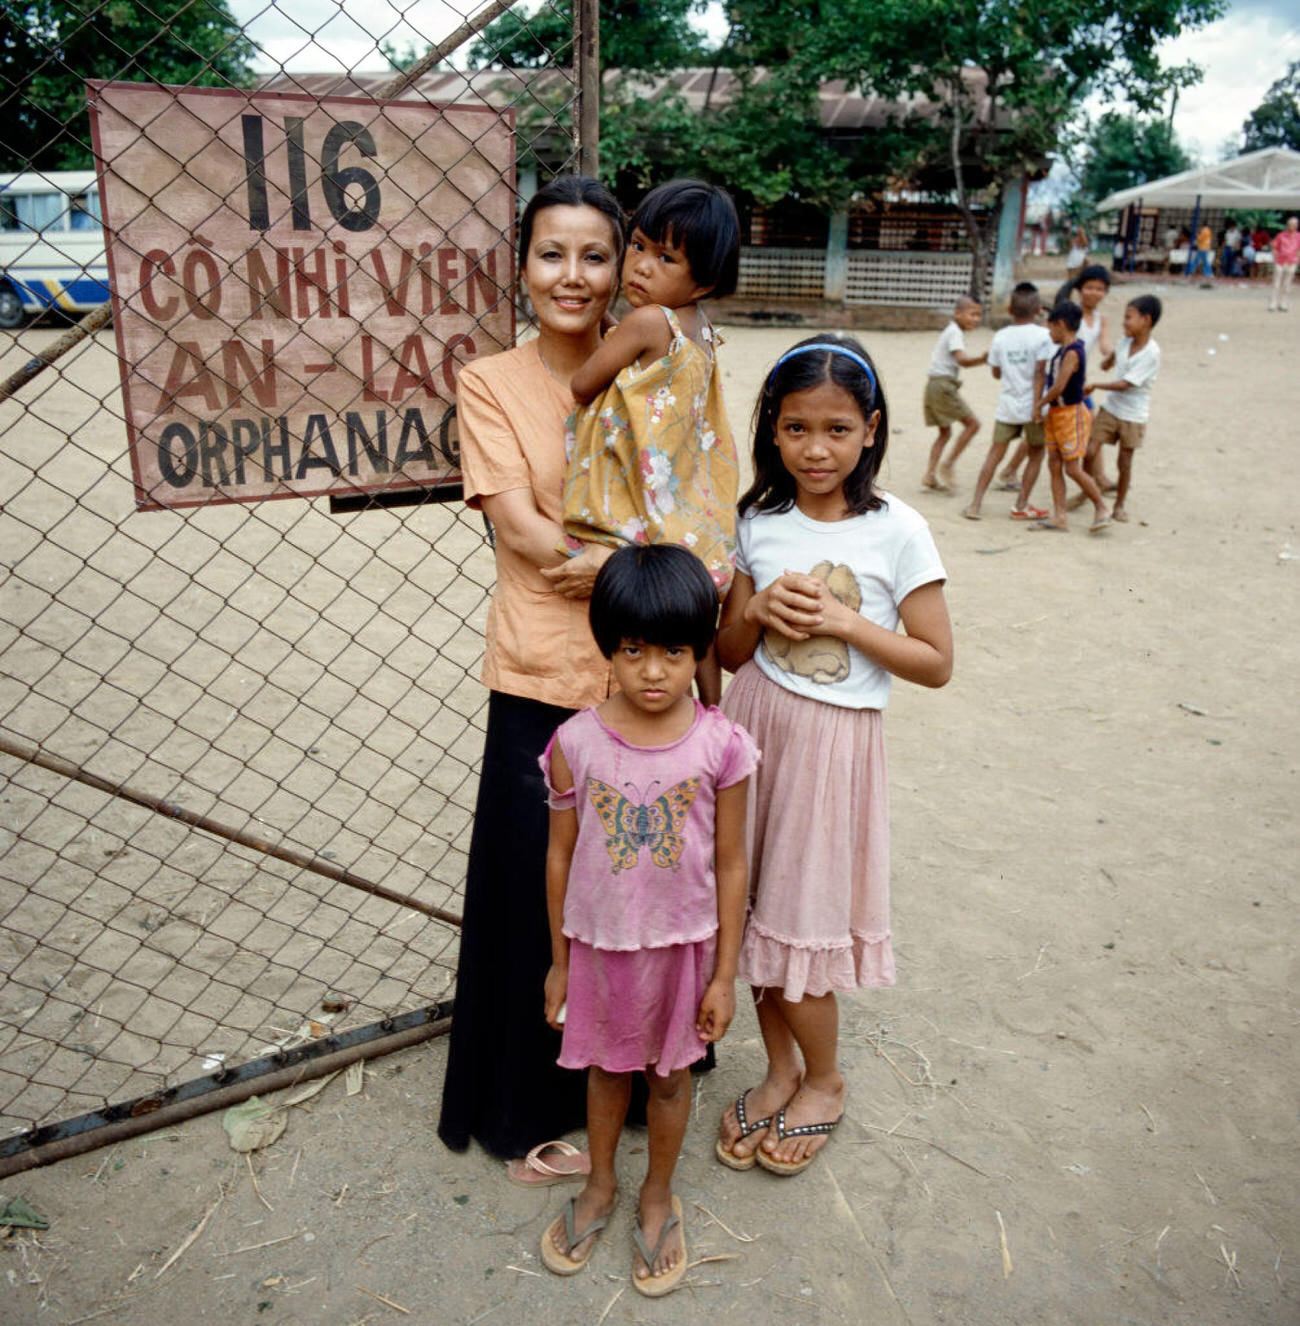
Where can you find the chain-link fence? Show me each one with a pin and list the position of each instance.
(240, 736)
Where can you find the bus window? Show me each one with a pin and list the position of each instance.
(84, 212)
(30, 211)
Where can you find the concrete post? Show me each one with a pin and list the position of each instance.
(837, 257)
(1008, 250)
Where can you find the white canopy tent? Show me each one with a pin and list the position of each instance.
(1269, 178)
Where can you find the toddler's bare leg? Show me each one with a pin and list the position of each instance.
(708, 677)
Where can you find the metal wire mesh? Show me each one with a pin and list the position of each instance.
(301, 673)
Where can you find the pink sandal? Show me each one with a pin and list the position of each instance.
(534, 1172)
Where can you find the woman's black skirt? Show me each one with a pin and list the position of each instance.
(503, 1086)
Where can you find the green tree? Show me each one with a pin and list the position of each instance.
(986, 89)
(647, 131)
(49, 48)
(644, 35)
(1275, 122)
(1125, 150)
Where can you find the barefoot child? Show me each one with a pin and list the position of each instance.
(1017, 356)
(1066, 421)
(651, 456)
(828, 565)
(944, 405)
(1122, 416)
(645, 888)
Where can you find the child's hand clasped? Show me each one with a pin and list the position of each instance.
(717, 1008)
(791, 605)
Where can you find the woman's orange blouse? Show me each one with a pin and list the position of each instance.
(511, 413)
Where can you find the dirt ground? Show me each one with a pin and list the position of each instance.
(1078, 1105)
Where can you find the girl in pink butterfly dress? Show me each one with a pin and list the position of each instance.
(646, 885)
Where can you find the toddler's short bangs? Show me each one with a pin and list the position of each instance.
(701, 220)
(659, 594)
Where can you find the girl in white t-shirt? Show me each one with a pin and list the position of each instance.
(828, 566)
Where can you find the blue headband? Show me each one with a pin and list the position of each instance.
(834, 349)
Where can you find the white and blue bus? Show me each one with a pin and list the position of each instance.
(51, 244)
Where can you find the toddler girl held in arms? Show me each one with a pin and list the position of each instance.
(651, 456)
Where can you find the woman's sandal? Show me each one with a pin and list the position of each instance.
(788, 1167)
(534, 1172)
(565, 1263)
(747, 1129)
(656, 1286)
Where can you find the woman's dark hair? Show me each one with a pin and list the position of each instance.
(572, 191)
(700, 219)
(658, 593)
(837, 359)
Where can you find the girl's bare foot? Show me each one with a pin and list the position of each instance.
(592, 1204)
(761, 1102)
(1120, 514)
(652, 1214)
(1059, 526)
(814, 1102)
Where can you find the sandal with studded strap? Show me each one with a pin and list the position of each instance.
(787, 1167)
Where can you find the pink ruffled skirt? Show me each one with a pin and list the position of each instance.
(633, 1011)
(818, 835)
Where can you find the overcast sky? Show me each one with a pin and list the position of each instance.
(1242, 54)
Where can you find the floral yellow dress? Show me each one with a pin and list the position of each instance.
(652, 459)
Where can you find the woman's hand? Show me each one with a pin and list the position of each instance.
(575, 576)
(717, 1008)
(791, 605)
(557, 991)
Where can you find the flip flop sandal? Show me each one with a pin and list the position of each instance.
(747, 1129)
(565, 1263)
(787, 1168)
(535, 1172)
(656, 1286)
(1031, 513)
(1098, 525)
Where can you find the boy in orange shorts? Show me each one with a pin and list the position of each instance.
(1066, 421)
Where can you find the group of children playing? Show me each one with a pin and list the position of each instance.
(1046, 400)
(691, 845)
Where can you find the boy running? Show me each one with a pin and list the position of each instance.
(944, 405)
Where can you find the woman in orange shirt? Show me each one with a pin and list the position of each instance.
(503, 1086)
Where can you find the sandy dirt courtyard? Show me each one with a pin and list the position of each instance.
(1079, 1103)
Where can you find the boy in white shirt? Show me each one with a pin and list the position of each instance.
(1123, 412)
(1017, 357)
(944, 405)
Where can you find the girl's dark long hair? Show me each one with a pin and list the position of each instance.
(774, 487)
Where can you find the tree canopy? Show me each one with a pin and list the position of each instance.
(1275, 122)
(48, 48)
(1125, 150)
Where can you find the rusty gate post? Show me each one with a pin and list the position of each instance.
(586, 73)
